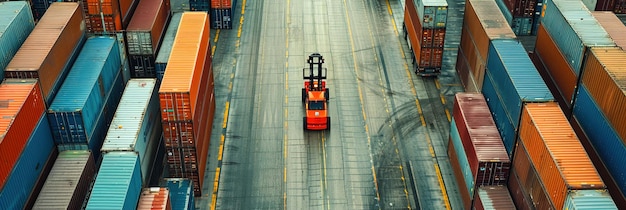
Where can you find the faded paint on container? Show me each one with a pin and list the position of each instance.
(154, 198)
(487, 157)
(603, 138)
(463, 70)
(613, 26)
(493, 197)
(21, 107)
(29, 167)
(518, 194)
(530, 179)
(558, 72)
(143, 34)
(556, 152)
(432, 13)
(589, 199)
(50, 50)
(181, 193)
(69, 181)
(75, 113)
(135, 125)
(573, 29)
(166, 45)
(16, 23)
(467, 47)
(118, 183)
(466, 198)
(465, 171)
(605, 78)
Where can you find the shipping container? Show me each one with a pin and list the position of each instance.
(556, 152)
(425, 28)
(493, 197)
(513, 81)
(16, 23)
(521, 8)
(483, 24)
(222, 13)
(142, 66)
(34, 162)
(520, 197)
(602, 137)
(135, 126)
(462, 170)
(155, 198)
(50, 50)
(605, 5)
(69, 181)
(520, 18)
(127, 9)
(199, 5)
(166, 45)
(589, 199)
(80, 114)
(181, 193)
(613, 26)
(118, 183)
(573, 29)
(103, 17)
(530, 179)
(39, 7)
(143, 34)
(22, 106)
(620, 7)
(431, 13)
(463, 70)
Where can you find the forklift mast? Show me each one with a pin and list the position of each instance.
(314, 60)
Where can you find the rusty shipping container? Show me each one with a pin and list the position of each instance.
(520, 197)
(102, 17)
(463, 70)
(481, 24)
(493, 197)
(50, 50)
(22, 106)
(425, 28)
(529, 180)
(466, 198)
(556, 152)
(144, 35)
(613, 26)
(154, 198)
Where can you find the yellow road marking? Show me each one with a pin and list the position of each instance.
(393, 21)
(443, 100)
(215, 186)
(221, 149)
(212, 50)
(217, 35)
(437, 84)
(448, 115)
(225, 114)
(443, 189)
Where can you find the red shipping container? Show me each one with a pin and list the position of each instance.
(413, 34)
(221, 4)
(126, 10)
(521, 8)
(613, 26)
(21, 107)
(147, 26)
(482, 143)
(427, 44)
(154, 198)
(530, 180)
(493, 197)
(463, 70)
(102, 16)
(466, 198)
(605, 5)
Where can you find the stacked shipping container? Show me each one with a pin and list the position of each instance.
(476, 152)
(155, 198)
(143, 36)
(520, 14)
(118, 183)
(187, 100)
(425, 30)
(181, 193)
(481, 24)
(493, 197)
(50, 50)
(222, 13)
(166, 45)
(107, 17)
(613, 26)
(16, 23)
(616, 6)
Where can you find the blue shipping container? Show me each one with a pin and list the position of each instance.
(573, 29)
(26, 172)
(221, 18)
(75, 111)
(199, 5)
(504, 125)
(181, 193)
(16, 23)
(602, 136)
(118, 183)
(462, 158)
(589, 200)
(136, 125)
(166, 45)
(515, 81)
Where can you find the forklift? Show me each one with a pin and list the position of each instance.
(315, 95)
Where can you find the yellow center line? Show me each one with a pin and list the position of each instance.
(393, 21)
(226, 114)
(217, 35)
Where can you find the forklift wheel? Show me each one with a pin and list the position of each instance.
(327, 123)
(327, 94)
(304, 123)
(303, 95)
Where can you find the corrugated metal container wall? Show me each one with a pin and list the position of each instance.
(127, 7)
(515, 81)
(143, 34)
(605, 141)
(135, 126)
(22, 105)
(69, 181)
(166, 45)
(483, 24)
(463, 70)
(50, 50)
(76, 113)
(613, 26)
(155, 198)
(573, 29)
(463, 171)
(118, 183)
(589, 199)
(493, 197)
(411, 30)
(181, 193)
(530, 179)
(481, 141)
(102, 17)
(16, 23)
(547, 134)
(518, 194)
(222, 13)
(605, 5)
(29, 167)
(432, 13)
(605, 78)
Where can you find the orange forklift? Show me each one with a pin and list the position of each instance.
(315, 95)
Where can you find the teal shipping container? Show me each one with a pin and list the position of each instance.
(16, 23)
(589, 200)
(118, 183)
(166, 45)
(181, 193)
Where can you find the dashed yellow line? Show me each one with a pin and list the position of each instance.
(221, 149)
(443, 100)
(226, 114)
(217, 35)
(212, 50)
(448, 115)
(393, 21)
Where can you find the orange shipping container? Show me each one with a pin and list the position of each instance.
(530, 181)
(102, 16)
(604, 76)
(21, 107)
(467, 48)
(613, 25)
(556, 153)
(46, 53)
(154, 198)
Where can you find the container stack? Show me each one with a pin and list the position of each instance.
(520, 14)
(107, 17)
(155, 198)
(181, 193)
(616, 6)
(144, 35)
(613, 26)
(166, 46)
(118, 183)
(222, 13)
(481, 25)
(476, 152)
(51, 48)
(425, 24)
(16, 23)
(187, 100)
